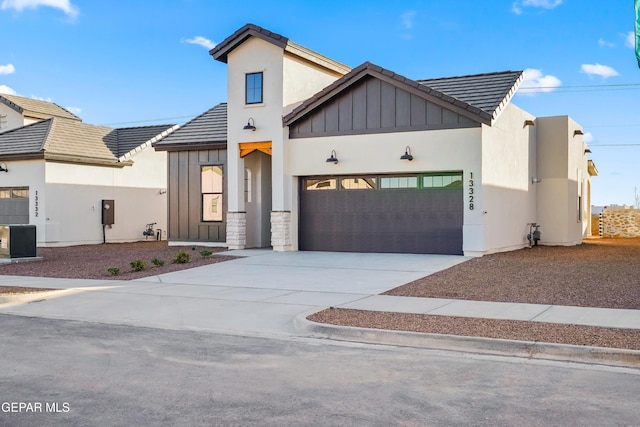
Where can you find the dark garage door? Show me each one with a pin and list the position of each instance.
(402, 214)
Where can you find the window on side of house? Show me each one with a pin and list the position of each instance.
(211, 185)
(253, 88)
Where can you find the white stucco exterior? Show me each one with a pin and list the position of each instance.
(517, 169)
(65, 200)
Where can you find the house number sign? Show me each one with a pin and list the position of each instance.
(471, 190)
(36, 203)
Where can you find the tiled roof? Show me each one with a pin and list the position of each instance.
(483, 105)
(36, 108)
(72, 140)
(209, 127)
(131, 138)
(485, 91)
(222, 49)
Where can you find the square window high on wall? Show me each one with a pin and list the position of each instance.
(253, 88)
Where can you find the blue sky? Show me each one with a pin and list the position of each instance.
(134, 62)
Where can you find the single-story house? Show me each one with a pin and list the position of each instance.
(321, 156)
(68, 178)
(196, 167)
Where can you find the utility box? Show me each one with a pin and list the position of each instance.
(108, 212)
(17, 241)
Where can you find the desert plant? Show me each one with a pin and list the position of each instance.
(181, 257)
(114, 271)
(206, 253)
(138, 265)
(157, 262)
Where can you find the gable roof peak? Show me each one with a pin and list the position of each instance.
(221, 51)
(36, 108)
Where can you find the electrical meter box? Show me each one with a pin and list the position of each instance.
(17, 241)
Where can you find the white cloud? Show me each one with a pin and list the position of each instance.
(516, 7)
(547, 4)
(630, 40)
(19, 5)
(535, 81)
(202, 41)
(588, 137)
(41, 99)
(7, 90)
(74, 110)
(603, 71)
(604, 43)
(7, 69)
(407, 19)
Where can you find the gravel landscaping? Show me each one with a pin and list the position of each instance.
(92, 261)
(598, 273)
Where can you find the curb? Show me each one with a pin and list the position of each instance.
(479, 345)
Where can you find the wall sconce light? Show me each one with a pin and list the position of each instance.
(3, 167)
(407, 154)
(536, 180)
(587, 151)
(251, 125)
(578, 132)
(333, 159)
(528, 123)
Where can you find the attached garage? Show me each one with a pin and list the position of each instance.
(416, 213)
(14, 205)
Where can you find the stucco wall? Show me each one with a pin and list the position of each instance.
(508, 163)
(12, 118)
(562, 166)
(74, 194)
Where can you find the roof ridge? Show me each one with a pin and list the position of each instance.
(472, 75)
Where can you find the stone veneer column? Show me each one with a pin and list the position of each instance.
(281, 231)
(236, 230)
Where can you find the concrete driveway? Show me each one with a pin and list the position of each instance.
(259, 294)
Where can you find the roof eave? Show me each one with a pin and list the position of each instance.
(412, 86)
(209, 145)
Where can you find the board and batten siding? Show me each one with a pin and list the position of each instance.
(185, 197)
(375, 106)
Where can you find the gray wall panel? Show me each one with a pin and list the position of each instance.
(185, 198)
(374, 106)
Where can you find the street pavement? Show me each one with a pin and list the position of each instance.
(266, 293)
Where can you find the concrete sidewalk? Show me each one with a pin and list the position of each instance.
(270, 294)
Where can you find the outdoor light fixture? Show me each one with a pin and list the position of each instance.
(3, 167)
(333, 158)
(250, 125)
(577, 132)
(407, 154)
(529, 123)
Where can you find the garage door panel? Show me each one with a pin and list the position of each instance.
(383, 220)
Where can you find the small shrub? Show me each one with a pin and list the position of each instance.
(206, 253)
(157, 262)
(114, 271)
(181, 257)
(138, 265)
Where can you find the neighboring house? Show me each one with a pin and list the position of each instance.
(324, 157)
(58, 171)
(197, 170)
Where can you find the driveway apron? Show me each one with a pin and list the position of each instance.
(258, 294)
